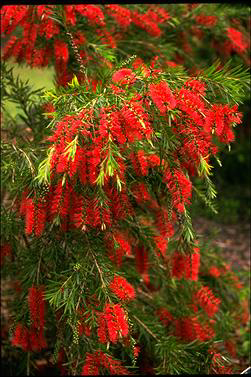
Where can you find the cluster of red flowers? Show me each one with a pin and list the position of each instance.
(238, 42)
(121, 14)
(207, 21)
(190, 328)
(99, 359)
(112, 324)
(206, 299)
(217, 366)
(32, 339)
(180, 188)
(122, 289)
(124, 76)
(162, 96)
(186, 266)
(164, 316)
(38, 26)
(83, 327)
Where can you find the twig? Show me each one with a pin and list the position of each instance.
(147, 329)
(26, 241)
(96, 263)
(38, 267)
(28, 363)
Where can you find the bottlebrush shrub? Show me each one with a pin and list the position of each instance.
(111, 272)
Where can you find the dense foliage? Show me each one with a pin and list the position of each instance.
(107, 272)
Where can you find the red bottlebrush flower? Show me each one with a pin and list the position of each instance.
(207, 301)
(224, 117)
(117, 247)
(29, 216)
(214, 271)
(79, 39)
(189, 329)
(11, 16)
(236, 37)
(111, 323)
(107, 38)
(146, 23)
(49, 28)
(91, 366)
(40, 217)
(142, 263)
(21, 337)
(162, 96)
(140, 192)
(121, 14)
(206, 20)
(102, 330)
(70, 14)
(153, 160)
(136, 351)
(83, 327)
(99, 359)
(56, 199)
(186, 266)
(120, 238)
(195, 264)
(180, 188)
(122, 289)
(124, 76)
(179, 264)
(36, 339)
(161, 244)
(196, 86)
(92, 12)
(37, 306)
(165, 316)
(61, 51)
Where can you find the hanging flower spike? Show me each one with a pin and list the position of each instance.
(122, 289)
(21, 337)
(142, 263)
(164, 316)
(29, 216)
(162, 244)
(162, 96)
(214, 271)
(121, 14)
(236, 37)
(37, 306)
(94, 361)
(207, 301)
(124, 76)
(195, 264)
(91, 366)
(112, 323)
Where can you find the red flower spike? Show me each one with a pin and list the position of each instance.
(165, 316)
(162, 96)
(29, 216)
(111, 323)
(207, 301)
(236, 37)
(124, 76)
(214, 271)
(37, 306)
(122, 289)
(99, 359)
